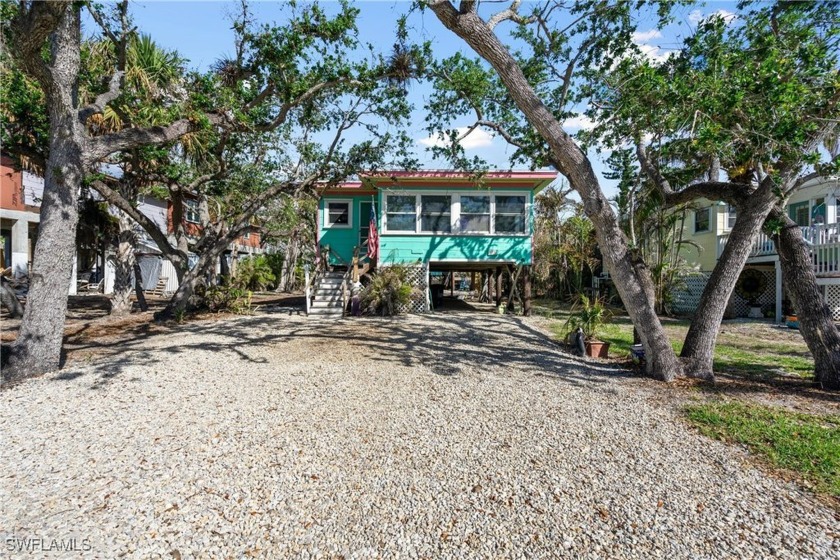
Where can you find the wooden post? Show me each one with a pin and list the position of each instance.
(526, 291)
(452, 284)
(472, 280)
(499, 285)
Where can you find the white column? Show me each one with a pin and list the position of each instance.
(20, 248)
(308, 288)
(74, 275)
(778, 291)
(455, 215)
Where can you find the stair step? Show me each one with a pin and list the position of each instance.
(325, 311)
(329, 291)
(327, 305)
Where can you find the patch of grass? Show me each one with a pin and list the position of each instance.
(778, 358)
(750, 350)
(803, 443)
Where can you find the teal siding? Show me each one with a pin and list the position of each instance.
(413, 248)
(395, 248)
(342, 240)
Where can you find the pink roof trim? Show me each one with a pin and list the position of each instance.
(445, 174)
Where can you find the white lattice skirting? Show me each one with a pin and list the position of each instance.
(832, 298)
(418, 276)
(687, 295)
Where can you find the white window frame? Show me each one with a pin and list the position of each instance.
(326, 213)
(191, 206)
(455, 211)
(708, 210)
(813, 206)
(416, 213)
(726, 213)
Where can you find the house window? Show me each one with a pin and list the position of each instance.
(510, 214)
(800, 214)
(246, 235)
(702, 219)
(338, 213)
(818, 212)
(401, 213)
(731, 214)
(191, 213)
(475, 213)
(436, 213)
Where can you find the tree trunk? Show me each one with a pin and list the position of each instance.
(699, 347)
(634, 286)
(192, 278)
(9, 299)
(815, 320)
(286, 282)
(37, 349)
(124, 266)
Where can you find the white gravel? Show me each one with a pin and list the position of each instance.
(446, 436)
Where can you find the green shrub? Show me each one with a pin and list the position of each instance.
(387, 291)
(228, 298)
(253, 273)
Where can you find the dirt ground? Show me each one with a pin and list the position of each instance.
(91, 332)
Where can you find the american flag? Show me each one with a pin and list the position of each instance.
(373, 236)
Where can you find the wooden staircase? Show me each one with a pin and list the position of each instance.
(328, 297)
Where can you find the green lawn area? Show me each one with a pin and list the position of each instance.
(803, 443)
(748, 349)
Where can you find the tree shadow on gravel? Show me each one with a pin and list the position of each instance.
(448, 344)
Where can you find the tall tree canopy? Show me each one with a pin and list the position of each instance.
(272, 119)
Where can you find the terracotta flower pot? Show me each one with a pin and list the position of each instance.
(597, 348)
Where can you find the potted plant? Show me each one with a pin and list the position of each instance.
(751, 285)
(589, 315)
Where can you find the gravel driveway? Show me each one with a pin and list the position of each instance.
(447, 436)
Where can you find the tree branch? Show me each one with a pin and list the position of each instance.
(732, 193)
(130, 138)
(303, 98)
(29, 31)
(114, 198)
(512, 13)
(103, 99)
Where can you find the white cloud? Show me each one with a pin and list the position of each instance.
(478, 138)
(697, 16)
(580, 122)
(652, 52)
(645, 36)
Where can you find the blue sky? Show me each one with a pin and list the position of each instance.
(200, 31)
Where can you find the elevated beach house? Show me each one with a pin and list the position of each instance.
(814, 209)
(433, 222)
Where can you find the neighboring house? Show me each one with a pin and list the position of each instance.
(20, 207)
(813, 207)
(434, 221)
(20, 214)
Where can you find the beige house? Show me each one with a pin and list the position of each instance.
(813, 207)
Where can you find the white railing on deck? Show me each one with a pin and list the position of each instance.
(824, 241)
